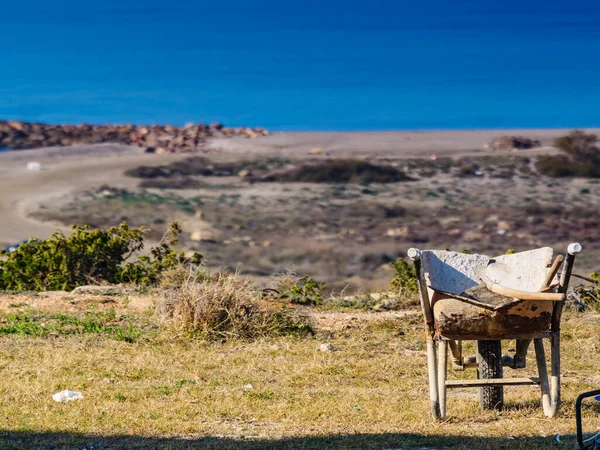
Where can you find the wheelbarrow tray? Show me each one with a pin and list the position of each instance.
(455, 318)
(465, 310)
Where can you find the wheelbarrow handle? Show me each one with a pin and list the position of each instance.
(521, 295)
(565, 276)
(414, 254)
(574, 248)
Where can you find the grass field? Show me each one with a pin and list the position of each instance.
(159, 389)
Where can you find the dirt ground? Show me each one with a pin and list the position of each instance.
(165, 392)
(342, 234)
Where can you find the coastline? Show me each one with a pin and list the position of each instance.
(337, 242)
(15, 135)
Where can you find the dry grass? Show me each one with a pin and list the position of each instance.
(273, 393)
(225, 306)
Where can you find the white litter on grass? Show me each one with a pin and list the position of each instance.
(328, 347)
(67, 396)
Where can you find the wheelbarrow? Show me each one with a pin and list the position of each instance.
(473, 297)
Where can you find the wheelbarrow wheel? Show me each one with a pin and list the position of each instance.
(489, 357)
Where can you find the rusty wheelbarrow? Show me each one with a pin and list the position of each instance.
(474, 297)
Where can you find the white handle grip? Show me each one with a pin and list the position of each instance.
(414, 254)
(574, 248)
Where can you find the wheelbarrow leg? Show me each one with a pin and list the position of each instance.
(550, 390)
(522, 345)
(442, 375)
(432, 366)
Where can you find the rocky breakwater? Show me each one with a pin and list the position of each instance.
(154, 138)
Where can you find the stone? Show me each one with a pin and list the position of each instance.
(23, 135)
(327, 347)
(316, 151)
(513, 143)
(503, 225)
(196, 236)
(101, 290)
(397, 232)
(252, 134)
(208, 235)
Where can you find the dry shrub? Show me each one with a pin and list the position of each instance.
(340, 171)
(581, 159)
(172, 183)
(225, 307)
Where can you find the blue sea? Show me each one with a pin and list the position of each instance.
(303, 65)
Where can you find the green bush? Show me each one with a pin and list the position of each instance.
(304, 291)
(405, 277)
(581, 158)
(89, 256)
(556, 166)
(579, 145)
(588, 296)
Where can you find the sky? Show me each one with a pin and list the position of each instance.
(303, 65)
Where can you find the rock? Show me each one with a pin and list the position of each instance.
(454, 232)
(316, 151)
(398, 232)
(16, 125)
(327, 347)
(250, 133)
(101, 290)
(503, 225)
(24, 135)
(207, 235)
(513, 142)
